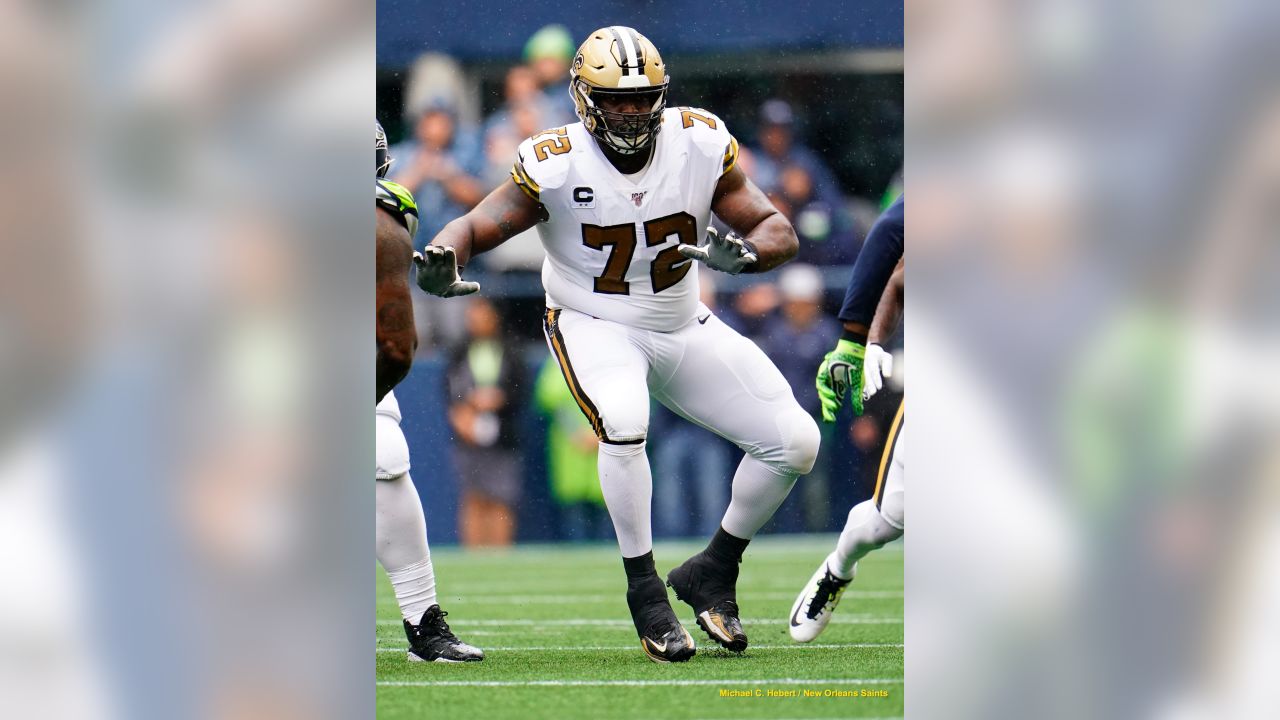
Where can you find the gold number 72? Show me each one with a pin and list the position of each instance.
(557, 144)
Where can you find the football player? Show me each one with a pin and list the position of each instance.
(621, 200)
(878, 273)
(401, 529)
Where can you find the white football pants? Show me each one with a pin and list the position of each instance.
(400, 528)
(705, 372)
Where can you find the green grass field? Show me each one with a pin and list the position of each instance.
(559, 643)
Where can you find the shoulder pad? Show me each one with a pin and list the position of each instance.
(396, 199)
(706, 132)
(542, 162)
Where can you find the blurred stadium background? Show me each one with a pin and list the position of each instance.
(1092, 208)
(816, 102)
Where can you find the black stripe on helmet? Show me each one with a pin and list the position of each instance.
(635, 38)
(622, 51)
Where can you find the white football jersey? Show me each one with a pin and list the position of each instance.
(611, 238)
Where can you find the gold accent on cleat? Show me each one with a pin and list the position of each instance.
(654, 651)
(713, 620)
(646, 642)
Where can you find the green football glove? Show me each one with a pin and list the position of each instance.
(841, 374)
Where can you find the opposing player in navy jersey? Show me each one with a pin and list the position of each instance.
(857, 367)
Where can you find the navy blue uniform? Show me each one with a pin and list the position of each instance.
(880, 255)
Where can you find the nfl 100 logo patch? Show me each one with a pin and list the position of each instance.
(638, 197)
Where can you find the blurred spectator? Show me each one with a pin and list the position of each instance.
(778, 149)
(520, 121)
(571, 459)
(865, 437)
(691, 474)
(800, 334)
(485, 379)
(521, 94)
(438, 79)
(864, 432)
(690, 466)
(524, 251)
(751, 309)
(440, 165)
(824, 232)
(548, 53)
(796, 339)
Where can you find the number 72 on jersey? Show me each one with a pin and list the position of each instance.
(667, 268)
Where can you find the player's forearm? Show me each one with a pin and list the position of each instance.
(880, 254)
(856, 331)
(889, 311)
(469, 237)
(459, 235)
(744, 208)
(774, 242)
(505, 213)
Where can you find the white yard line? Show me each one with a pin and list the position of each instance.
(483, 598)
(607, 552)
(525, 622)
(731, 683)
(567, 648)
(777, 591)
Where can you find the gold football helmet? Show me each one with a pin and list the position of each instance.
(618, 67)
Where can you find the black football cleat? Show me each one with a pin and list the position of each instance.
(667, 642)
(709, 588)
(662, 637)
(431, 640)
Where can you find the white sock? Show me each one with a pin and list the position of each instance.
(758, 491)
(401, 539)
(864, 531)
(627, 485)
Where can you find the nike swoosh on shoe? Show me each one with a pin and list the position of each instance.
(796, 614)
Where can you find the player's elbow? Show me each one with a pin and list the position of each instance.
(788, 241)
